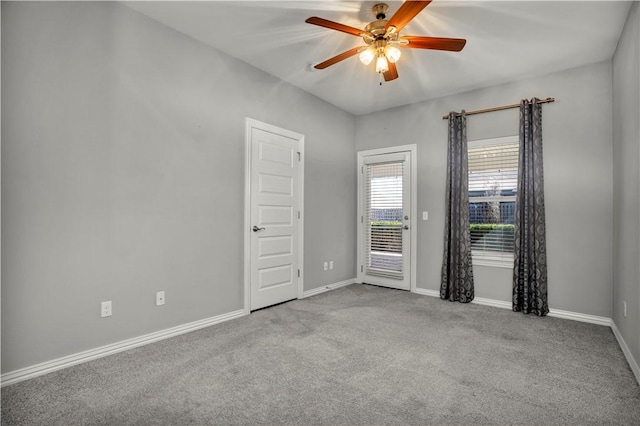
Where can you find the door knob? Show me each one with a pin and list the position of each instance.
(406, 227)
(256, 229)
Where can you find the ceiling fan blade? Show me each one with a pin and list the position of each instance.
(341, 57)
(392, 74)
(336, 26)
(406, 13)
(435, 43)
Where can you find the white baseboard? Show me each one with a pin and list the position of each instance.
(477, 300)
(425, 292)
(592, 319)
(557, 313)
(85, 356)
(491, 302)
(327, 287)
(627, 352)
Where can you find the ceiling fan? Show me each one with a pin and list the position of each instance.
(382, 38)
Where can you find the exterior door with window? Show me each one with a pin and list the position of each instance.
(385, 220)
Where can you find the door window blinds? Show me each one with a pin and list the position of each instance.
(383, 219)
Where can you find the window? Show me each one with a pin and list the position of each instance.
(384, 215)
(493, 179)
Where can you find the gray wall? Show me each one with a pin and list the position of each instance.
(626, 195)
(577, 134)
(122, 175)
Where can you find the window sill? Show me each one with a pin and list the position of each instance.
(494, 262)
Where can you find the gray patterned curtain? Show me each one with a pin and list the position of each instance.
(457, 269)
(530, 251)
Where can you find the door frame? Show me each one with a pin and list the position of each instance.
(251, 124)
(413, 194)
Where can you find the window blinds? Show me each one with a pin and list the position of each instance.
(493, 169)
(383, 216)
(493, 177)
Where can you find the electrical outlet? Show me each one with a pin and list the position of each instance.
(331, 264)
(326, 266)
(105, 309)
(160, 298)
(624, 308)
(425, 215)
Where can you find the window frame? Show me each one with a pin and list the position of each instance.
(504, 260)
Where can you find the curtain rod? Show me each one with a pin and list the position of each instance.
(499, 108)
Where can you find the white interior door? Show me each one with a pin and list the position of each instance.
(386, 218)
(274, 214)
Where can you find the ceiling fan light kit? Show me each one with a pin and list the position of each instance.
(392, 53)
(382, 65)
(382, 38)
(367, 55)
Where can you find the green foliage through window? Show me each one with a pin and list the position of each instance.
(386, 223)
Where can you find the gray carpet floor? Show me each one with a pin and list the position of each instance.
(353, 356)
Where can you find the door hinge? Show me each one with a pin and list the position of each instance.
(361, 219)
(298, 273)
(298, 214)
(361, 268)
(299, 156)
(362, 170)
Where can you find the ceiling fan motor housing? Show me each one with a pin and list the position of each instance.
(377, 28)
(379, 10)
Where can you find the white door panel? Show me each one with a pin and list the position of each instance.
(274, 215)
(274, 253)
(275, 246)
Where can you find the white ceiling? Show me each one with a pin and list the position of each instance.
(506, 41)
